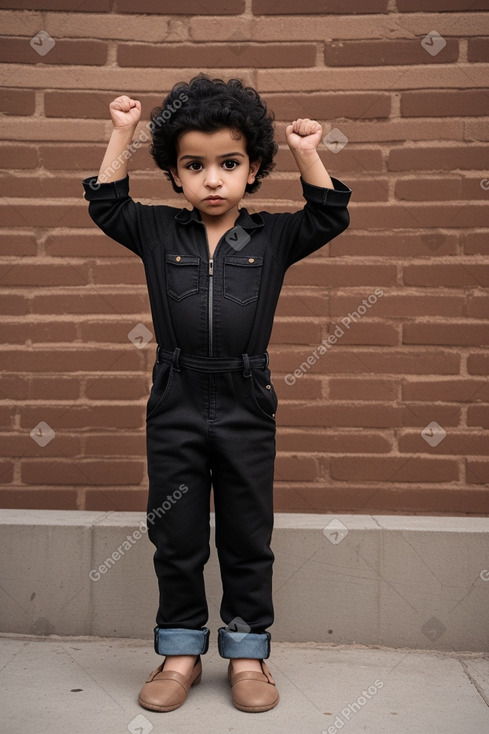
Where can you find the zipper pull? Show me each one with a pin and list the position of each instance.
(211, 267)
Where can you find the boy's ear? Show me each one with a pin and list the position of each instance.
(173, 172)
(254, 168)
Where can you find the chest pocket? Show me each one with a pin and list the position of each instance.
(182, 276)
(242, 276)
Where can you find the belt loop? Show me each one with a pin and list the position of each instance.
(158, 353)
(267, 362)
(246, 362)
(175, 358)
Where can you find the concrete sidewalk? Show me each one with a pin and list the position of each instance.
(83, 685)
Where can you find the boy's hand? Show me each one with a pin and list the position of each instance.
(303, 134)
(125, 112)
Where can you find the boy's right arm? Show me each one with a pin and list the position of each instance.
(125, 113)
(111, 207)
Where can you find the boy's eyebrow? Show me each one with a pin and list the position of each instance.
(225, 155)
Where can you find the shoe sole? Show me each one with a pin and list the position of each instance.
(256, 709)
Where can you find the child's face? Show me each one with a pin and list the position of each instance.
(213, 164)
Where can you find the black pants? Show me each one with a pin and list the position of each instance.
(208, 427)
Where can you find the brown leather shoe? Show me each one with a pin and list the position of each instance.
(166, 690)
(251, 691)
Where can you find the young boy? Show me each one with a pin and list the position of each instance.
(214, 275)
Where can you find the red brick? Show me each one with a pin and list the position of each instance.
(310, 7)
(478, 415)
(398, 51)
(292, 303)
(431, 333)
(478, 51)
(403, 305)
(90, 244)
(19, 51)
(305, 389)
(127, 444)
(6, 471)
(477, 472)
(39, 498)
(358, 105)
(476, 243)
(93, 6)
(412, 6)
(310, 272)
(37, 333)
(35, 387)
(82, 472)
(360, 332)
(391, 245)
(101, 301)
(339, 414)
(42, 274)
(401, 361)
(18, 101)
(448, 103)
(451, 391)
(15, 445)
(117, 273)
(87, 105)
(478, 307)
(443, 158)
(13, 304)
(115, 330)
(72, 360)
(175, 7)
(43, 215)
(17, 245)
(421, 414)
(449, 275)
(13, 156)
(393, 469)
(223, 55)
(72, 157)
(352, 389)
(338, 442)
(478, 364)
(455, 443)
(117, 388)
(290, 468)
(38, 186)
(295, 332)
(83, 417)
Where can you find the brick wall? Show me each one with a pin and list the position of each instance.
(393, 416)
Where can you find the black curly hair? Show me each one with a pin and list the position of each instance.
(208, 105)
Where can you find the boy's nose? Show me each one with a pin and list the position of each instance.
(213, 178)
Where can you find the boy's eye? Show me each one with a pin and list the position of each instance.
(230, 164)
(194, 163)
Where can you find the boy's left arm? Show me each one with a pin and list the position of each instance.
(293, 236)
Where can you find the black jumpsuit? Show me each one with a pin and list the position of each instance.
(210, 417)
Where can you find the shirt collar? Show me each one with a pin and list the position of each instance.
(244, 219)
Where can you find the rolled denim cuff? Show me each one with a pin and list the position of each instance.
(243, 644)
(180, 641)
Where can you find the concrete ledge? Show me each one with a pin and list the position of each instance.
(400, 581)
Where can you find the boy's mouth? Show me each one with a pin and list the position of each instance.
(214, 198)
